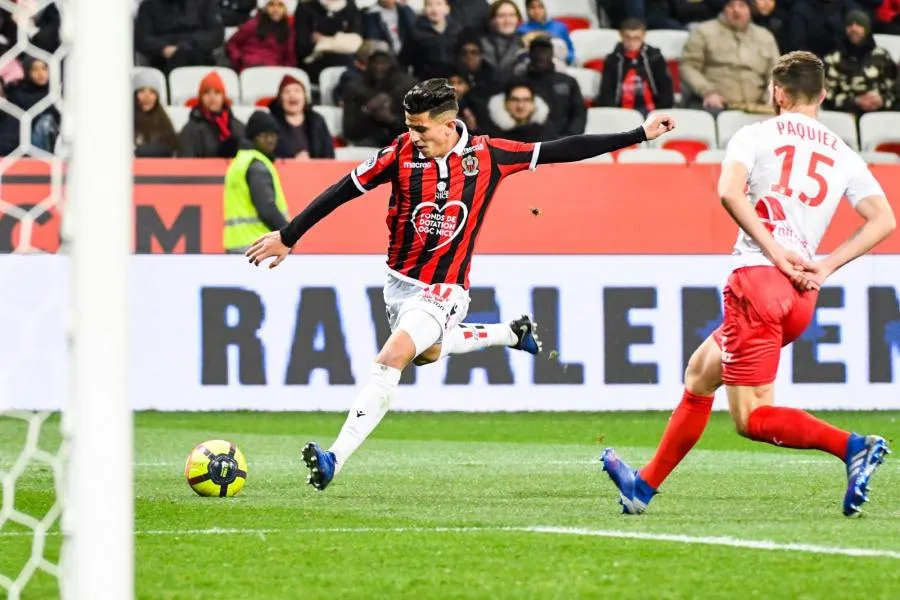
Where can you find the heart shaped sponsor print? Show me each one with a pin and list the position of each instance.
(438, 221)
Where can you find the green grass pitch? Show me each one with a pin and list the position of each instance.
(446, 506)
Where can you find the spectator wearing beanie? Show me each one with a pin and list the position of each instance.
(30, 91)
(266, 40)
(254, 202)
(154, 135)
(860, 77)
(211, 131)
(178, 33)
(302, 132)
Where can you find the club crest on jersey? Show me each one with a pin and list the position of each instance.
(441, 193)
(469, 165)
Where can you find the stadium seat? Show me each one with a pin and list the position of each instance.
(179, 116)
(695, 131)
(574, 23)
(242, 112)
(584, 9)
(650, 155)
(334, 118)
(730, 121)
(710, 157)
(612, 120)
(602, 158)
(842, 124)
(185, 81)
(159, 80)
(592, 45)
(891, 43)
(328, 80)
(355, 153)
(588, 81)
(877, 130)
(669, 41)
(259, 82)
(880, 158)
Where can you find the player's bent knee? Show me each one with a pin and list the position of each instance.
(703, 375)
(429, 356)
(424, 331)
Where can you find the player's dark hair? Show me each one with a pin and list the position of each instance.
(432, 96)
(801, 75)
(632, 24)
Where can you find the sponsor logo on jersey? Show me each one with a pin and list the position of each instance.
(472, 149)
(417, 164)
(442, 193)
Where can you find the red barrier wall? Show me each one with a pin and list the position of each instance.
(584, 209)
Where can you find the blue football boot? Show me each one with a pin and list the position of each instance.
(864, 454)
(526, 334)
(321, 464)
(634, 493)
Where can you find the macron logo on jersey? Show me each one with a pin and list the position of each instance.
(416, 165)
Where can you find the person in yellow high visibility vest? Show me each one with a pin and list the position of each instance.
(254, 200)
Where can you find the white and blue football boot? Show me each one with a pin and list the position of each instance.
(864, 455)
(634, 493)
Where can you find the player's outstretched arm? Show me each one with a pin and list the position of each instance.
(580, 147)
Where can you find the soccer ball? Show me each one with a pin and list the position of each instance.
(216, 468)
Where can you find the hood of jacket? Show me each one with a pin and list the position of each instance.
(502, 119)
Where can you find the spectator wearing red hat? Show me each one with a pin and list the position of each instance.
(211, 131)
(266, 40)
(303, 132)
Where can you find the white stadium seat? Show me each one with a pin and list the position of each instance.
(184, 83)
(334, 118)
(612, 120)
(843, 124)
(878, 128)
(242, 112)
(355, 153)
(262, 82)
(593, 43)
(179, 116)
(328, 80)
(159, 80)
(669, 41)
(690, 124)
(572, 8)
(891, 43)
(730, 122)
(880, 158)
(710, 157)
(588, 81)
(650, 156)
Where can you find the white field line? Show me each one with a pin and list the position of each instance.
(726, 541)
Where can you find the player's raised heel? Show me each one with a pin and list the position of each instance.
(864, 455)
(320, 463)
(634, 493)
(526, 334)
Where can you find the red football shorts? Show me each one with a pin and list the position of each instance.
(763, 313)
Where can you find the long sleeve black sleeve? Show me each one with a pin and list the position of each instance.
(262, 195)
(580, 147)
(340, 193)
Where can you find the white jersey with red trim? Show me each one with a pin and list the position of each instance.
(798, 172)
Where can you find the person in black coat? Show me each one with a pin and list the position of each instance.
(373, 105)
(430, 48)
(568, 114)
(41, 29)
(178, 33)
(30, 91)
(390, 22)
(236, 12)
(334, 24)
(302, 132)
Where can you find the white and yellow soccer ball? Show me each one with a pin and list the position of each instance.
(216, 468)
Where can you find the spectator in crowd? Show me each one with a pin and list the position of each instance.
(389, 21)
(266, 40)
(472, 15)
(9, 126)
(568, 115)
(236, 12)
(429, 49)
(373, 105)
(302, 132)
(178, 33)
(28, 92)
(635, 75)
(472, 105)
(212, 131)
(154, 135)
(539, 20)
(817, 25)
(357, 68)
(860, 77)
(501, 44)
(888, 17)
(560, 52)
(771, 15)
(328, 33)
(254, 202)
(471, 64)
(517, 114)
(728, 60)
(40, 24)
(657, 14)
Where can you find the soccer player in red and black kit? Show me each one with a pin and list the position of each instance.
(443, 180)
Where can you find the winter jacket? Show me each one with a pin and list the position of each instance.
(236, 12)
(553, 28)
(312, 17)
(692, 11)
(364, 127)
(45, 35)
(854, 70)
(502, 124)
(321, 144)
(650, 66)
(200, 138)
(192, 25)
(374, 27)
(568, 115)
(501, 52)
(736, 64)
(472, 15)
(429, 53)
(246, 50)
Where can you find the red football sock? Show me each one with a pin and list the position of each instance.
(793, 428)
(684, 429)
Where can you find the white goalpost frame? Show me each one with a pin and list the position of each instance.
(98, 555)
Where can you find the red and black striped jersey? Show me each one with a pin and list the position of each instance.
(437, 206)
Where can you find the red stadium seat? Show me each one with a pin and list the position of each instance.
(888, 147)
(689, 148)
(676, 75)
(574, 23)
(595, 64)
(192, 102)
(265, 101)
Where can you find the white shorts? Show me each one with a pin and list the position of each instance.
(447, 303)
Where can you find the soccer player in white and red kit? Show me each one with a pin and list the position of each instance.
(797, 171)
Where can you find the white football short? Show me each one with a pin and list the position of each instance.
(447, 303)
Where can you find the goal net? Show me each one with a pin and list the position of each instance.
(66, 497)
